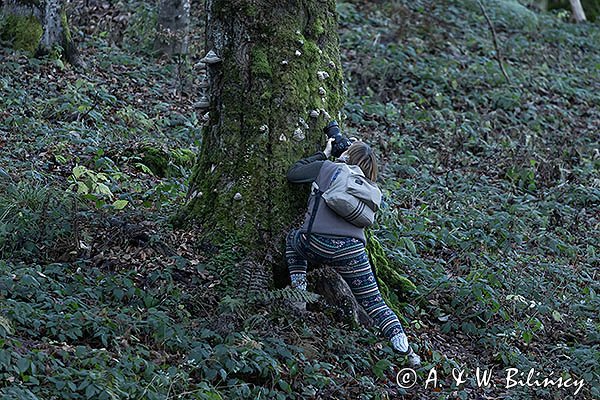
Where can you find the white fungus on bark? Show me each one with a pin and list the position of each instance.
(298, 135)
(211, 58)
(204, 102)
(322, 75)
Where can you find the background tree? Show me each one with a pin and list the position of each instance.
(275, 80)
(577, 9)
(38, 27)
(589, 8)
(173, 27)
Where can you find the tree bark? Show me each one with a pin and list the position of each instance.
(279, 62)
(334, 289)
(578, 14)
(173, 27)
(38, 27)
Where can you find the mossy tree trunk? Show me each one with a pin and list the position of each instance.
(38, 26)
(173, 27)
(280, 62)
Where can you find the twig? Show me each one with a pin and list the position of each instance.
(498, 55)
(92, 107)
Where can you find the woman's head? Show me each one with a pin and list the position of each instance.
(359, 153)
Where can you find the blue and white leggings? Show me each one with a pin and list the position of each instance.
(348, 257)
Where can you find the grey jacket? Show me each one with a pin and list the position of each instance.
(327, 222)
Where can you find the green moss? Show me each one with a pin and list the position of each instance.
(183, 157)
(260, 62)
(164, 162)
(65, 26)
(392, 284)
(318, 29)
(25, 32)
(251, 10)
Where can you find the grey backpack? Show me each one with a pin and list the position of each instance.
(351, 195)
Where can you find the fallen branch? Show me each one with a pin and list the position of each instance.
(495, 38)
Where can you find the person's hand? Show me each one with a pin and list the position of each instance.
(329, 147)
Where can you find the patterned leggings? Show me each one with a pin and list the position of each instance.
(349, 258)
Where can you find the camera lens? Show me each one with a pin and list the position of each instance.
(341, 143)
(332, 130)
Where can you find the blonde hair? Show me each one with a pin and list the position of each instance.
(359, 153)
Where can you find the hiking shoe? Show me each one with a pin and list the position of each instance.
(401, 346)
(413, 358)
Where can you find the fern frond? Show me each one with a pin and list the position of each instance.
(289, 294)
(254, 278)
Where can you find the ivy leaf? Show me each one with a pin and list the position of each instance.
(78, 171)
(82, 188)
(120, 204)
(103, 189)
(380, 367)
(557, 316)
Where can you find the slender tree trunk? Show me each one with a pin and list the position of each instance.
(578, 14)
(279, 65)
(173, 27)
(39, 26)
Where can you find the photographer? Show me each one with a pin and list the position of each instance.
(332, 240)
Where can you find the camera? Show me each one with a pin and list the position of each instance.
(341, 143)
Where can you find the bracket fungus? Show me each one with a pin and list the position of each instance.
(204, 83)
(211, 58)
(299, 135)
(322, 75)
(204, 102)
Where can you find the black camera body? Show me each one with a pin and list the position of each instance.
(341, 143)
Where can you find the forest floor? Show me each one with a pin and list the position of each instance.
(492, 188)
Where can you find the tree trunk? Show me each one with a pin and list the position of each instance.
(38, 27)
(279, 65)
(590, 8)
(173, 27)
(578, 14)
(334, 289)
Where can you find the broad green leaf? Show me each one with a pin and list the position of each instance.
(556, 315)
(103, 189)
(120, 204)
(78, 171)
(82, 188)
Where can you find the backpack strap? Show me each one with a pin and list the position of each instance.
(317, 192)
